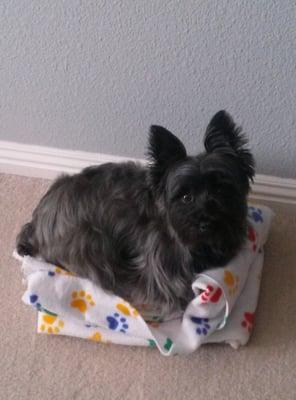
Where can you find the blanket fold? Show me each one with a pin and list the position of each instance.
(222, 310)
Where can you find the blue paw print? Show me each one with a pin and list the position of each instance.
(255, 214)
(115, 322)
(33, 301)
(203, 326)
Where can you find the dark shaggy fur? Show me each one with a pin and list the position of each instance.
(142, 232)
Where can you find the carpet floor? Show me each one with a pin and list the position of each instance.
(49, 367)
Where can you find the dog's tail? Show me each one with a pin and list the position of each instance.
(25, 243)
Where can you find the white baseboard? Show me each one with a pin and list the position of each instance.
(48, 163)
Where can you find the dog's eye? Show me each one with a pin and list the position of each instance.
(217, 189)
(187, 198)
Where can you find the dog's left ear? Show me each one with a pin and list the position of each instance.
(222, 135)
(164, 150)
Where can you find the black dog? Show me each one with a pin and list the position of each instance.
(142, 232)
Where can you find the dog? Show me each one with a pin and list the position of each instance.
(142, 232)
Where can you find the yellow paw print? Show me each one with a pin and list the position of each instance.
(81, 300)
(62, 271)
(232, 281)
(127, 309)
(96, 337)
(51, 323)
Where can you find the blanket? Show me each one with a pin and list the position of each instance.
(222, 310)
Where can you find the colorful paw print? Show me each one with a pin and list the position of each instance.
(232, 282)
(125, 308)
(60, 271)
(252, 237)
(116, 322)
(81, 300)
(96, 337)
(51, 324)
(255, 214)
(34, 301)
(202, 325)
(168, 344)
(211, 294)
(248, 321)
(151, 343)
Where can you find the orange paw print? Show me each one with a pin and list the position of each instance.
(51, 323)
(81, 301)
(232, 281)
(96, 337)
(127, 309)
(62, 271)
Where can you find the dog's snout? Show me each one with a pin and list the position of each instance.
(204, 226)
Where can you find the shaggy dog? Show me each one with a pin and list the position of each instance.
(142, 232)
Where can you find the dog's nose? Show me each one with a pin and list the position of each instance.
(203, 226)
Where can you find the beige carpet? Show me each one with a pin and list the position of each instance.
(55, 367)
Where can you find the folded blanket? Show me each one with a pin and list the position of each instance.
(221, 311)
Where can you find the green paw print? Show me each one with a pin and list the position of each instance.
(168, 344)
(151, 343)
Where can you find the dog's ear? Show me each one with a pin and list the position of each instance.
(222, 135)
(163, 151)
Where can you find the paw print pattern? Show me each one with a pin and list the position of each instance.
(51, 324)
(211, 294)
(232, 281)
(252, 237)
(60, 271)
(248, 321)
(255, 214)
(125, 308)
(35, 303)
(96, 337)
(81, 300)
(168, 344)
(202, 325)
(151, 343)
(116, 322)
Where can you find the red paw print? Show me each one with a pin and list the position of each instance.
(248, 322)
(211, 294)
(252, 237)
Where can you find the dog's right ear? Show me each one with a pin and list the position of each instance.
(164, 150)
(222, 135)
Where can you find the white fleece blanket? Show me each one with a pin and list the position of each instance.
(222, 310)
